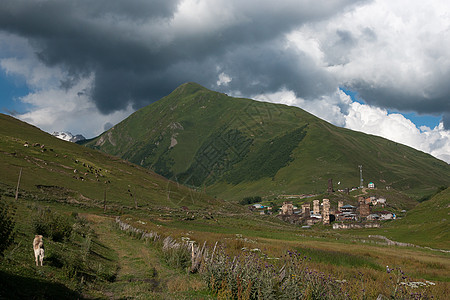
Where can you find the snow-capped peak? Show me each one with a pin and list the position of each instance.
(67, 136)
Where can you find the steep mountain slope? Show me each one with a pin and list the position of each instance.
(66, 172)
(240, 147)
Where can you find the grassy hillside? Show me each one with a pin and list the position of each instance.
(56, 170)
(427, 224)
(240, 147)
(89, 257)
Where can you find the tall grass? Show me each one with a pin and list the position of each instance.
(248, 276)
(251, 274)
(339, 258)
(7, 224)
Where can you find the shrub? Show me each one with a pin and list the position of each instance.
(60, 228)
(49, 224)
(250, 200)
(81, 227)
(6, 226)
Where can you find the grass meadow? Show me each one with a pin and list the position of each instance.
(97, 260)
(62, 196)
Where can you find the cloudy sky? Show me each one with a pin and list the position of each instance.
(381, 67)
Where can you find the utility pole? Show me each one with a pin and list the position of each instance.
(104, 201)
(361, 185)
(18, 183)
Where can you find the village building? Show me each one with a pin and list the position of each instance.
(314, 219)
(316, 207)
(348, 208)
(373, 217)
(258, 206)
(288, 214)
(381, 201)
(371, 185)
(346, 216)
(386, 215)
(353, 225)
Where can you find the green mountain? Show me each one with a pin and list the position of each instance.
(54, 170)
(240, 147)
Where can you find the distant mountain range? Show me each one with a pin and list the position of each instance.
(67, 136)
(240, 147)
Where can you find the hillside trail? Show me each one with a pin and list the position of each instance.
(141, 273)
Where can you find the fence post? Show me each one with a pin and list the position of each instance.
(18, 183)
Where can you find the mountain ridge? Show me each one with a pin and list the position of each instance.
(68, 136)
(237, 147)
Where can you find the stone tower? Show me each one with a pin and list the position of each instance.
(364, 209)
(340, 204)
(306, 210)
(326, 211)
(330, 186)
(316, 207)
(287, 209)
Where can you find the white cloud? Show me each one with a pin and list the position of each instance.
(69, 110)
(386, 48)
(340, 110)
(224, 79)
(34, 73)
(331, 108)
(397, 128)
(54, 108)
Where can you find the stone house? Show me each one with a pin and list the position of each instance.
(348, 208)
(373, 217)
(386, 215)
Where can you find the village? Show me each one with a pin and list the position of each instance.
(368, 213)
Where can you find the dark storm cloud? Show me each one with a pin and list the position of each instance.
(435, 100)
(137, 56)
(254, 67)
(446, 120)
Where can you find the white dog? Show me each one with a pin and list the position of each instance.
(38, 246)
